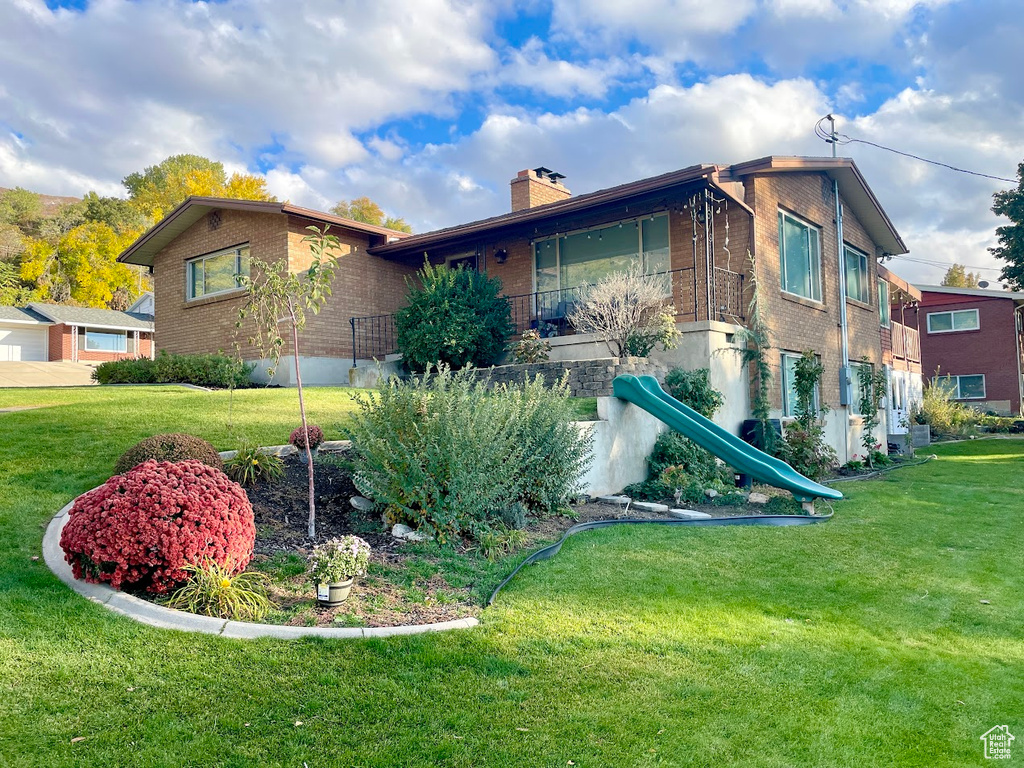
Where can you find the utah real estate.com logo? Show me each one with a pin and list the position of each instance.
(997, 742)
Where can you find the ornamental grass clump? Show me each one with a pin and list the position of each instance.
(171, 447)
(446, 455)
(298, 437)
(252, 464)
(141, 530)
(219, 590)
(338, 560)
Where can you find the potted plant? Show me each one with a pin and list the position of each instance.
(334, 565)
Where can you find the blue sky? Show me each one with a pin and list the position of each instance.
(431, 107)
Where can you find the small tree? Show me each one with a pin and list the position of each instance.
(628, 311)
(872, 390)
(277, 295)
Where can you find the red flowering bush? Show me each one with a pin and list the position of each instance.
(142, 528)
(298, 437)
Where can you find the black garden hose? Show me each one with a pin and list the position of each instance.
(552, 549)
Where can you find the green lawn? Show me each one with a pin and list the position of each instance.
(861, 642)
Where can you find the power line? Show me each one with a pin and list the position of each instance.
(969, 268)
(833, 137)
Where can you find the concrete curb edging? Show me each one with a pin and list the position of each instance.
(154, 615)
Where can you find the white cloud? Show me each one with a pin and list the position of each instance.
(530, 67)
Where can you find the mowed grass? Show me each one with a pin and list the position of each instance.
(860, 642)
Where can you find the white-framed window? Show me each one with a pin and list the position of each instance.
(963, 387)
(954, 321)
(100, 340)
(800, 253)
(565, 262)
(858, 276)
(883, 304)
(216, 272)
(788, 367)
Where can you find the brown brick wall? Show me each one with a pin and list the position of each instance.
(798, 324)
(363, 285)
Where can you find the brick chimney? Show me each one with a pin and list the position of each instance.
(537, 187)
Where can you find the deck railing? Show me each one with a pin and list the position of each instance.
(906, 343)
(374, 337)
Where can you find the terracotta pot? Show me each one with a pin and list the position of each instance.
(332, 595)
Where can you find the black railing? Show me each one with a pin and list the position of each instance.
(372, 337)
(548, 311)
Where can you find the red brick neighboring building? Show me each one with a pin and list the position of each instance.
(54, 332)
(974, 336)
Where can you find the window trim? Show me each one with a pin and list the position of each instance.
(85, 330)
(958, 376)
(783, 213)
(236, 249)
(636, 220)
(884, 317)
(862, 256)
(952, 322)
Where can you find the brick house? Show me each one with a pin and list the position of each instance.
(53, 332)
(798, 218)
(975, 338)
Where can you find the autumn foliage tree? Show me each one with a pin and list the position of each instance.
(957, 276)
(365, 210)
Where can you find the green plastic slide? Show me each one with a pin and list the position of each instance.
(645, 392)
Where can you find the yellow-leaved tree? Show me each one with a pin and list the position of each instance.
(80, 266)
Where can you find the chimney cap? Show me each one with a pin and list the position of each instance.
(547, 173)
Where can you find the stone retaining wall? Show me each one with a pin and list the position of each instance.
(587, 378)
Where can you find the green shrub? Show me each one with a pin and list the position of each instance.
(218, 371)
(446, 455)
(455, 317)
(652, 489)
(214, 590)
(783, 505)
(943, 414)
(672, 449)
(530, 348)
(250, 465)
(807, 452)
(171, 447)
(693, 388)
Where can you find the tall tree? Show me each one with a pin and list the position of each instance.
(957, 276)
(158, 189)
(21, 208)
(1010, 203)
(365, 210)
(80, 266)
(116, 212)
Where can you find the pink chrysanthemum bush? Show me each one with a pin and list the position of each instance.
(141, 529)
(298, 437)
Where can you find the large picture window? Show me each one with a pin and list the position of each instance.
(216, 272)
(800, 251)
(858, 277)
(98, 340)
(953, 321)
(583, 258)
(963, 387)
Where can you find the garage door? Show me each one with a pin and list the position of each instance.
(28, 344)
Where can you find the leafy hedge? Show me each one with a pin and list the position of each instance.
(143, 528)
(452, 458)
(218, 371)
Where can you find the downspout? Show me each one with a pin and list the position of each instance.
(845, 393)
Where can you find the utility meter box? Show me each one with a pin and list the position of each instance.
(845, 386)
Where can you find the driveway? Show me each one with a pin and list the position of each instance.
(45, 375)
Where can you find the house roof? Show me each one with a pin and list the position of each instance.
(852, 186)
(194, 208)
(578, 203)
(23, 315)
(92, 317)
(987, 293)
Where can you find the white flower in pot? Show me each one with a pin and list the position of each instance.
(334, 565)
